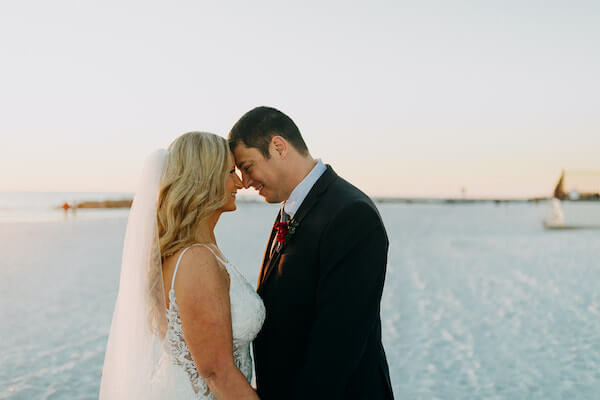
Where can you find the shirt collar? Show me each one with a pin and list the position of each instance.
(293, 203)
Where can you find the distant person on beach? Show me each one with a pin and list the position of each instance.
(322, 273)
(184, 316)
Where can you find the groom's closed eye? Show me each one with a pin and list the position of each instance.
(245, 167)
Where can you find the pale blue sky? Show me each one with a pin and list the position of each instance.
(403, 98)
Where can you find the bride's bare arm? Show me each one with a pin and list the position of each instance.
(202, 291)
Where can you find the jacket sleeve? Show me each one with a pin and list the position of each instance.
(353, 257)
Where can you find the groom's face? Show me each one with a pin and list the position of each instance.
(263, 174)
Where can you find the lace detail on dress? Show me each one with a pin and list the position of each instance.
(247, 317)
(179, 350)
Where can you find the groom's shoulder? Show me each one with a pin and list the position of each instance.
(341, 194)
(343, 203)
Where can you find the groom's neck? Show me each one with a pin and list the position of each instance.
(300, 167)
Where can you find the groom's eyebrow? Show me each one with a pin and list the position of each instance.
(242, 164)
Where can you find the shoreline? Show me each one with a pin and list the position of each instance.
(126, 203)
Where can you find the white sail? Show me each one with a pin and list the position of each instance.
(557, 216)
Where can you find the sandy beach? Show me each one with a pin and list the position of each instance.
(480, 301)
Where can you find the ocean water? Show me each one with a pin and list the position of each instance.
(480, 302)
(37, 207)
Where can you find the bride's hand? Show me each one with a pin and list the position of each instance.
(202, 290)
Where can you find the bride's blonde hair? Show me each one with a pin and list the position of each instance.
(191, 189)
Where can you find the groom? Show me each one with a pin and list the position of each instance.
(322, 273)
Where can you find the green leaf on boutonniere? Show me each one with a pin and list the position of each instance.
(292, 228)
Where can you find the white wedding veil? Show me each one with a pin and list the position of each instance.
(135, 348)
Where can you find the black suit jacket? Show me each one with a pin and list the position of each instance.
(322, 334)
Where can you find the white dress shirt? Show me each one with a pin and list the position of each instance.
(293, 203)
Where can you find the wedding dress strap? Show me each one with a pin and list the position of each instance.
(181, 256)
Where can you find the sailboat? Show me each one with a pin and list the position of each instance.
(575, 202)
(556, 220)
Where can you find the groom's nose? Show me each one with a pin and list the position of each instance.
(246, 181)
(238, 182)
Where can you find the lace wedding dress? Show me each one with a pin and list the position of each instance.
(247, 317)
(146, 353)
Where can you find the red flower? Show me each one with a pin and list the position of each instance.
(282, 230)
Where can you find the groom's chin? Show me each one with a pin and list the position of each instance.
(269, 199)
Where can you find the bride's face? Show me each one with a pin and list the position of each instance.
(231, 187)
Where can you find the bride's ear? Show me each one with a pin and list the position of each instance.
(280, 146)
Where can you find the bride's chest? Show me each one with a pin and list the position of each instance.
(247, 309)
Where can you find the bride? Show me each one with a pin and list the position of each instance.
(184, 316)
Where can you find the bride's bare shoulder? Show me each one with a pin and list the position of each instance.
(200, 268)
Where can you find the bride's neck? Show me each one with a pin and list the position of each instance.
(206, 229)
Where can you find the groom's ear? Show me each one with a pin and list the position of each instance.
(280, 145)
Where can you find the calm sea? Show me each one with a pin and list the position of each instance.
(36, 206)
(480, 301)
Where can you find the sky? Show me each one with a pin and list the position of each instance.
(403, 98)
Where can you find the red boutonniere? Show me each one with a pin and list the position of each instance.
(285, 230)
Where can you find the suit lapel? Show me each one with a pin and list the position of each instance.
(267, 254)
(309, 202)
(315, 193)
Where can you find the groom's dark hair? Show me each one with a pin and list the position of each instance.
(257, 127)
